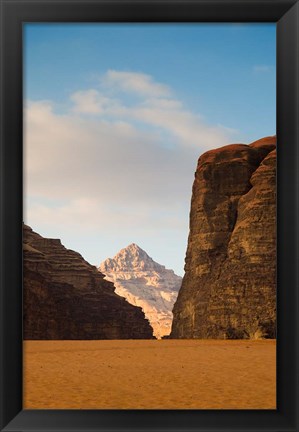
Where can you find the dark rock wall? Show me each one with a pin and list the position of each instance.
(64, 297)
(229, 287)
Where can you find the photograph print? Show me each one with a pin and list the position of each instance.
(149, 234)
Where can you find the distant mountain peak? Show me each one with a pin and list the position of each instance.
(145, 283)
(131, 258)
(132, 248)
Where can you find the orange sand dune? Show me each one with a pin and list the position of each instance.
(150, 374)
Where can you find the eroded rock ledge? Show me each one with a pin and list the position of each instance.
(229, 287)
(67, 298)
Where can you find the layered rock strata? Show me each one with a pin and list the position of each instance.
(67, 298)
(229, 286)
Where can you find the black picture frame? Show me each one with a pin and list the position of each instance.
(16, 12)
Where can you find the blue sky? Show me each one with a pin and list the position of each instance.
(116, 116)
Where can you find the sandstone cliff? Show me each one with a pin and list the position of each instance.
(229, 287)
(67, 298)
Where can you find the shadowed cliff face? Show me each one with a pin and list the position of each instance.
(67, 298)
(229, 288)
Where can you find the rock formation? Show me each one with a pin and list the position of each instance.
(144, 283)
(229, 286)
(67, 298)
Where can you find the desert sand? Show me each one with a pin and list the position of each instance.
(150, 374)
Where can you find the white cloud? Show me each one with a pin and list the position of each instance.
(154, 109)
(187, 127)
(113, 166)
(68, 157)
(136, 82)
(89, 102)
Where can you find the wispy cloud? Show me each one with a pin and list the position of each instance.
(260, 69)
(89, 102)
(68, 156)
(109, 161)
(136, 82)
(156, 107)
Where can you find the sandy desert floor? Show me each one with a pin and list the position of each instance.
(146, 374)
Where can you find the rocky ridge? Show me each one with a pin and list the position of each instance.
(229, 286)
(144, 283)
(67, 298)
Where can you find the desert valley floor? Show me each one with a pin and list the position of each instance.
(150, 374)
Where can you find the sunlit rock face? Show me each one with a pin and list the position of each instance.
(67, 298)
(229, 286)
(145, 283)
